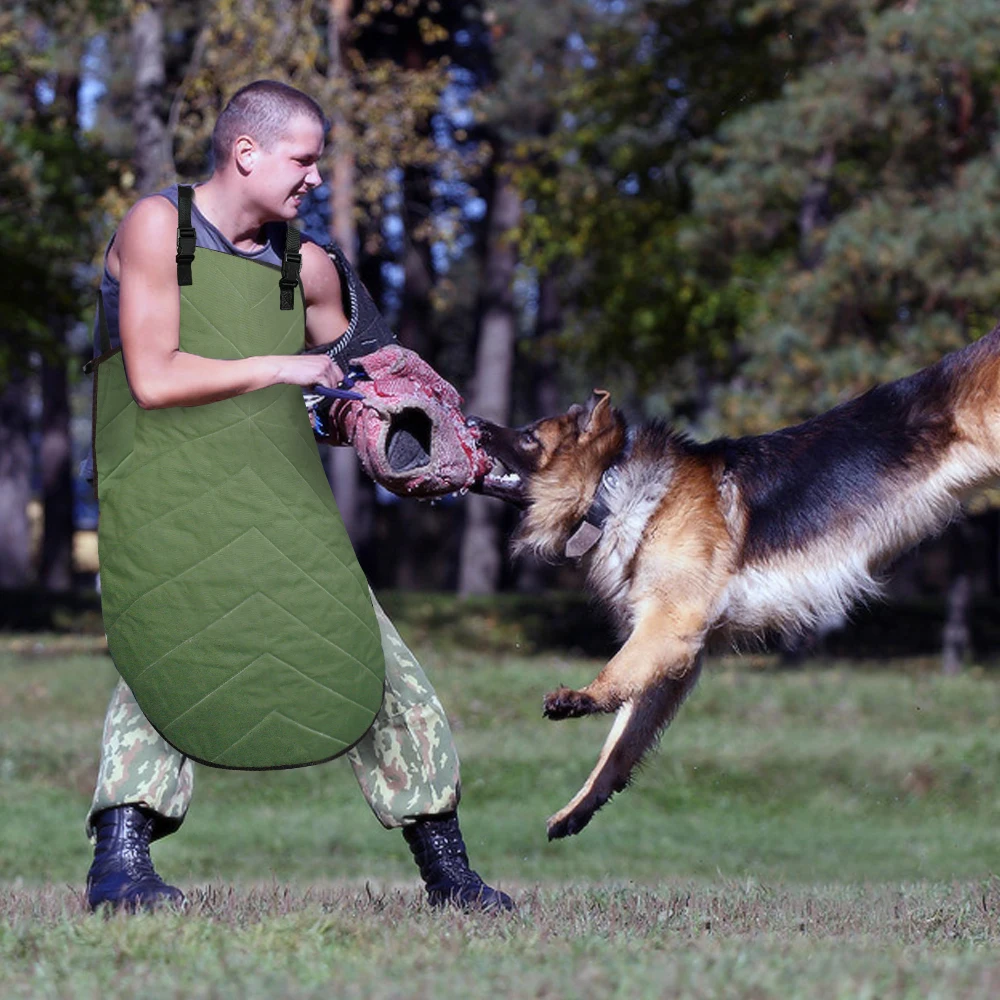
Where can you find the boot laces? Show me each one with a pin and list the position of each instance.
(135, 850)
(139, 864)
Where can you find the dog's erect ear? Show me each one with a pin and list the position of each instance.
(596, 415)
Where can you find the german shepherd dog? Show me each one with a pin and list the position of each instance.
(736, 537)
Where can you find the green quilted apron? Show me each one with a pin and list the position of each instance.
(234, 606)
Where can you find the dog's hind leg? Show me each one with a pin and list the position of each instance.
(637, 726)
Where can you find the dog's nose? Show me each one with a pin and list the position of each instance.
(478, 424)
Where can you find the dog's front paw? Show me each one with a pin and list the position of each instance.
(565, 703)
(567, 822)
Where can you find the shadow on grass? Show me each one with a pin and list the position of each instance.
(563, 621)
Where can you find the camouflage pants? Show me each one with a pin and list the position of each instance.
(406, 764)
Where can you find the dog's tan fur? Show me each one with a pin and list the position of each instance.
(702, 539)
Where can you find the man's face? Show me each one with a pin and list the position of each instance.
(282, 176)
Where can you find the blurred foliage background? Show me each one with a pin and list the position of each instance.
(732, 213)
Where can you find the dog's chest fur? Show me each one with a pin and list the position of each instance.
(641, 486)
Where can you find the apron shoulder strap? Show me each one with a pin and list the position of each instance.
(186, 236)
(102, 330)
(291, 265)
(102, 324)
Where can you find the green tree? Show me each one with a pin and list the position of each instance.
(859, 209)
(52, 176)
(52, 179)
(622, 93)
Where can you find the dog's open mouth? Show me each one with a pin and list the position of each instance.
(503, 484)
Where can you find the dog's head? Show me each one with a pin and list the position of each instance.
(552, 468)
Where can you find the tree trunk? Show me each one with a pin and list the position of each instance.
(533, 574)
(342, 467)
(956, 637)
(152, 158)
(56, 568)
(412, 568)
(548, 324)
(418, 268)
(815, 207)
(481, 557)
(15, 483)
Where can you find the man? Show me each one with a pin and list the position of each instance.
(266, 145)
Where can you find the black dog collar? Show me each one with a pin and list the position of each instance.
(588, 532)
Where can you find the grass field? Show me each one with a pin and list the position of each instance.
(827, 832)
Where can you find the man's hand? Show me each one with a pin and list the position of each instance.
(307, 370)
(408, 430)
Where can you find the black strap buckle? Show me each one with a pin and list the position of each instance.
(290, 267)
(186, 242)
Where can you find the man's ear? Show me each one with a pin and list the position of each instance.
(597, 414)
(245, 152)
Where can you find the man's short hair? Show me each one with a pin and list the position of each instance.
(261, 109)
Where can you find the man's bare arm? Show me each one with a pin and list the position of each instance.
(159, 373)
(325, 319)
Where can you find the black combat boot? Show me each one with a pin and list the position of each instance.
(437, 846)
(122, 873)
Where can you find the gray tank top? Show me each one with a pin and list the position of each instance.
(206, 236)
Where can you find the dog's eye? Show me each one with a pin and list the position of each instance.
(528, 440)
